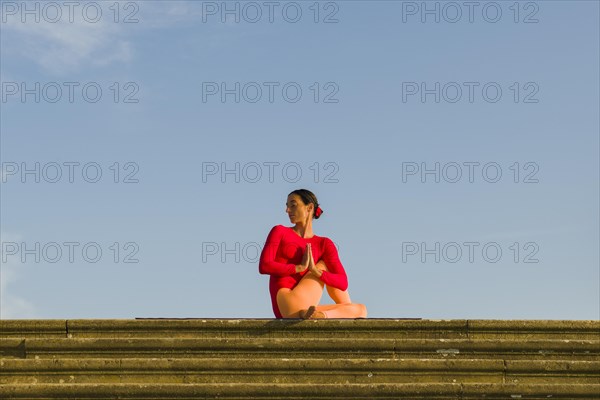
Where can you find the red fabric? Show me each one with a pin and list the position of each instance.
(284, 249)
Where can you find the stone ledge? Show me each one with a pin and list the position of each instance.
(320, 391)
(350, 327)
(298, 359)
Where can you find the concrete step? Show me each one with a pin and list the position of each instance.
(317, 347)
(301, 391)
(297, 359)
(289, 328)
(365, 371)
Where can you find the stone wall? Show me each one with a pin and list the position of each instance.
(299, 359)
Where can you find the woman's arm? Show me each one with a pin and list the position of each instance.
(336, 276)
(267, 263)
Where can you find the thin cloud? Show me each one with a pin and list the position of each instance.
(63, 47)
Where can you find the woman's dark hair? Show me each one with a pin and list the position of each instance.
(308, 197)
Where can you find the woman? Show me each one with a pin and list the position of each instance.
(296, 283)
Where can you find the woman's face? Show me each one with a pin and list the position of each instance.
(296, 209)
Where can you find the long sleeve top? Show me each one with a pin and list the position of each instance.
(284, 249)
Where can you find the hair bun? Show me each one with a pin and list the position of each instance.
(318, 212)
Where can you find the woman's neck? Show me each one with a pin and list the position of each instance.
(304, 231)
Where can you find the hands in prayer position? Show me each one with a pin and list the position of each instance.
(308, 262)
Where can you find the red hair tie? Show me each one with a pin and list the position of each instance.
(318, 212)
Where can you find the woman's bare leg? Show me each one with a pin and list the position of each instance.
(337, 295)
(293, 302)
(353, 310)
(343, 307)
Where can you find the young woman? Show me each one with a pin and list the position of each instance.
(296, 283)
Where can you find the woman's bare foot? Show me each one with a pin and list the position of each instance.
(313, 313)
(308, 313)
(318, 315)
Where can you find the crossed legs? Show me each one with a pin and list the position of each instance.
(304, 299)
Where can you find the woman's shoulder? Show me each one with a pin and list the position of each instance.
(324, 239)
(279, 228)
(287, 230)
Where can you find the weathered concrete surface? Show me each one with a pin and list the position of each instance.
(301, 391)
(285, 359)
(356, 328)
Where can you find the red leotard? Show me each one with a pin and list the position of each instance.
(284, 249)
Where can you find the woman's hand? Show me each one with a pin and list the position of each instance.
(304, 263)
(311, 263)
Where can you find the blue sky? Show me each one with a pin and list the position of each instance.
(361, 122)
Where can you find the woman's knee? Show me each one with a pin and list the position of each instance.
(310, 276)
(321, 265)
(362, 310)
